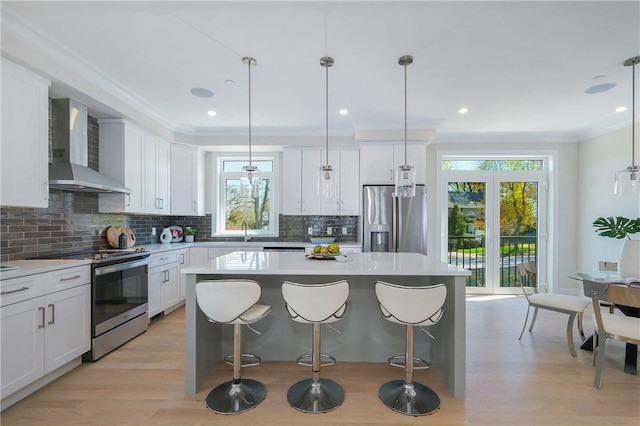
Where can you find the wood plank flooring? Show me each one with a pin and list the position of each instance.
(530, 382)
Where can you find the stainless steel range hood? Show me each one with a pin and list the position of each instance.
(70, 169)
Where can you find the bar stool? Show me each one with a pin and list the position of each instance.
(315, 304)
(411, 306)
(233, 302)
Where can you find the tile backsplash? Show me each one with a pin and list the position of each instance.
(72, 223)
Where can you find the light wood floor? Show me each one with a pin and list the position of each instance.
(530, 382)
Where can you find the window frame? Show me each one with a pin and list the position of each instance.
(218, 216)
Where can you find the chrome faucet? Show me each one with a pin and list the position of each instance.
(247, 237)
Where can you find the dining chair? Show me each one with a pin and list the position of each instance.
(619, 327)
(564, 303)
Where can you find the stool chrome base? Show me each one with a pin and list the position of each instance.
(315, 397)
(413, 399)
(234, 398)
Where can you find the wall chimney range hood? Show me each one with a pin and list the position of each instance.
(70, 169)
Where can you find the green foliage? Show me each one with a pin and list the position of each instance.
(618, 227)
(190, 231)
(457, 223)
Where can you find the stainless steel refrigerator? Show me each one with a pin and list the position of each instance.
(394, 224)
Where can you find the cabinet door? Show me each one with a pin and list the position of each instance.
(331, 205)
(134, 172)
(416, 156)
(163, 176)
(187, 180)
(376, 164)
(350, 182)
(24, 163)
(291, 182)
(309, 181)
(156, 275)
(67, 326)
(22, 326)
(171, 286)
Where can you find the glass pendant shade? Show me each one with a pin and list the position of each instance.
(627, 182)
(326, 181)
(405, 181)
(250, 181)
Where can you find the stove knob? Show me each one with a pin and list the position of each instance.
(96, 256)
(103, 255)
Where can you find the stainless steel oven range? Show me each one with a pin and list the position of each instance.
(119, 298)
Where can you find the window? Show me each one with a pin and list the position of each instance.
(235, 208)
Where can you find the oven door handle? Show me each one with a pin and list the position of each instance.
(119, 267)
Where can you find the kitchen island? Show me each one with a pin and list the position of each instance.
(365, 335)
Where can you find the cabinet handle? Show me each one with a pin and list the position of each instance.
(195, 206)
(53, 313)
(41, 308)
(391, 175)
(182, 258)
(45, 189)
(128, 200)
(14, 291)
(75, 277)
(161, 203)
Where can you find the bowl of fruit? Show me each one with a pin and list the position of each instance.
(328, 251)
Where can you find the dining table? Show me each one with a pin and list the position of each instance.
(595, 283)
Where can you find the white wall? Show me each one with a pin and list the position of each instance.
(599, 159)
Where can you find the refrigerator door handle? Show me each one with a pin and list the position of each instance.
(394, 223)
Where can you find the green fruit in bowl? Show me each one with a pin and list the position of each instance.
(333, 248)
(317, 249)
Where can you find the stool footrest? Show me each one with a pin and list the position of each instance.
(246, 360)
(400, 362)
(306, 360)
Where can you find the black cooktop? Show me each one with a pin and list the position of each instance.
(102, 256)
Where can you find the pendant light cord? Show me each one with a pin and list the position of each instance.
(405, 114)
(633, 116)
(249, 65)
(326, 103)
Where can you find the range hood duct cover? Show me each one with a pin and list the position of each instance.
(70, 169)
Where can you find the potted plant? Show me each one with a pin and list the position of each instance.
(189, 233)
(620, 227)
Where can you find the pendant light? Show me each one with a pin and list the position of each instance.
(405, 173)
(326, 174)
(250, 176)
(627, 181)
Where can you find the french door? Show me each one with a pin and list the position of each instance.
(495, 219)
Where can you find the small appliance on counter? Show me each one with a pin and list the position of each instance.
(166, 236)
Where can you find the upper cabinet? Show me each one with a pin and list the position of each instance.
(346, 163)
(300, 181)
(187, 180)
(139, 160)
(24, 152)
(122, 157)
(378, 162)
(157, 175)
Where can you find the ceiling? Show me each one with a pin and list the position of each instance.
(521, 68)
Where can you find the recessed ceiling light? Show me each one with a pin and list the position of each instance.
(201, 92)
(344, 111)
(463, 110)
(599, 88)
(211, 113)
(621, 109)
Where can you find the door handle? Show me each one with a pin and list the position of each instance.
(53, 313)
(41, 308)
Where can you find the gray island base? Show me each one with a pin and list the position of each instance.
(365, 335)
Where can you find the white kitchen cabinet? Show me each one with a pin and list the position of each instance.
(163, 281)
(157, 175)
(122, 158)
(24, 159)
(45, 322)
(300, 181)
(347, 175)
(187, 180)
(378, 162)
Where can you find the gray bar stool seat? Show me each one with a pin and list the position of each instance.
(233, 302)
(411, 306)
(315, 304)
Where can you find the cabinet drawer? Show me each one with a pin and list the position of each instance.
(164, 258)
(68, 278)
(23, 288)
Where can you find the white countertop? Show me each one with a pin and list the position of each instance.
(284, 263)
(236, 244)
(37, 266)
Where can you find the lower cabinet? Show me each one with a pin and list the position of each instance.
(45, 332)
(164, 281)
